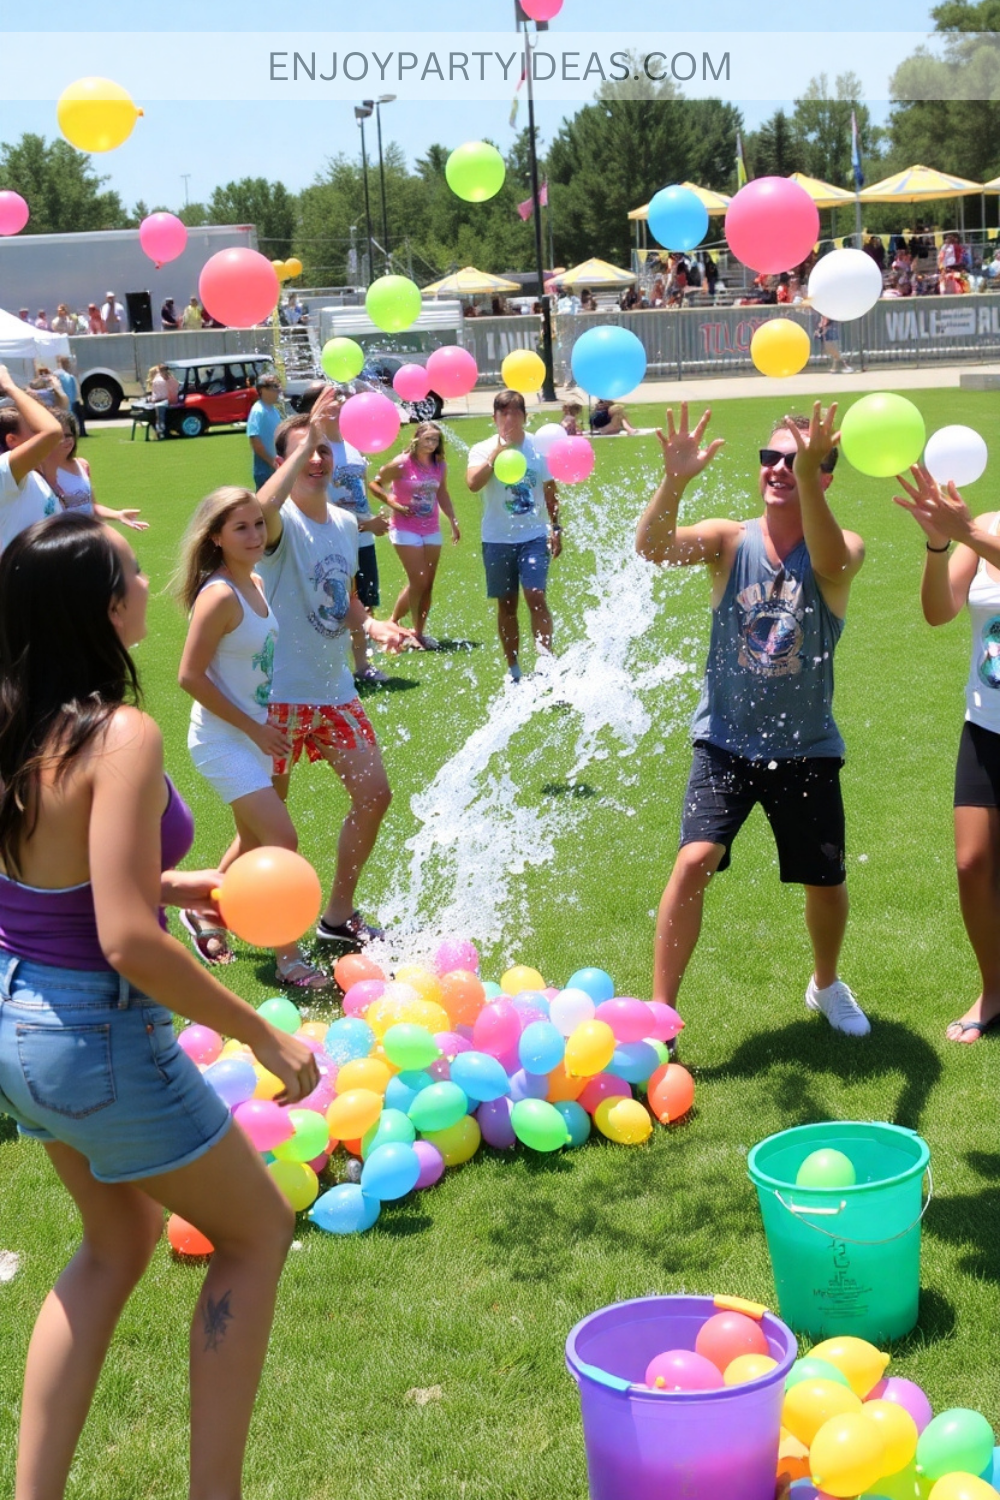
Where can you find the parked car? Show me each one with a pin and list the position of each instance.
(214, 392)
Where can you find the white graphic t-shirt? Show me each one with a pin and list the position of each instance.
(308, 579)
(513, 512)
(348, 487)
(21, 505)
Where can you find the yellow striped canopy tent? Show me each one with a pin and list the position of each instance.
(470, 283)
(596, 272)
(823, 194)
(919, 185)
(716, 203)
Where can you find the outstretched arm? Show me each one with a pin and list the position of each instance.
(658, 538)
(945, 518)
(276, 490)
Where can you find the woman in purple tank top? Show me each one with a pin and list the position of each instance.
(89, 983)
(414, 485)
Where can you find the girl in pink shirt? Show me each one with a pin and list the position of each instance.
(414, 487)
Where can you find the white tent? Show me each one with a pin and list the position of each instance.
(20, 340)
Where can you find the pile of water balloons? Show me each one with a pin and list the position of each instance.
(848, 1430)
(424, 1067)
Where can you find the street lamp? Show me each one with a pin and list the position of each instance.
(383, 99)
(361, 113)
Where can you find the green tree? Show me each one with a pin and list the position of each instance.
(823, 125)
(776, 149)
(60, 187)
(254, 200)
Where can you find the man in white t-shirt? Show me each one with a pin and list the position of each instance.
(28, 433)
(113, 315)
(309, 572)
(520, 528)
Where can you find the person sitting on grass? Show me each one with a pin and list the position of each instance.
(68, 476)
(608, 419)
(764, 730)
(517, 540)
(570, 423)
(414, 485)
(226, 666)
(969, 576)
(28, 434)
(91, 830)
(309, 569)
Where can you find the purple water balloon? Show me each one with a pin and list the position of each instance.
(494, 1122)
(431, 1164)
(440, 1070)
(904, 1393)
(451, 1043)
(361, 995)
(528, 1085)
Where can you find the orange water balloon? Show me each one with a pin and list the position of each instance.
(185, 1239)
(269, 897)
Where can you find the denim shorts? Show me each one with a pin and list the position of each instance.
(90, 1061)
(510, 563)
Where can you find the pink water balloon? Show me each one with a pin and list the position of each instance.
(201, 1043)
(14, 212)
(666, 1022)
(361, 995)
(264, 1122)
(628, 1019)
(451, 371)
(497, 1028)
(238, 287)
(603, 1086)
(163, 237)
(772, 224)
(571, 460)
(370, 421)
(456, 953)
(431, 1164)
(904, 1393)
(682, 1370)
(451, 1044)
(410, 383)
(542, 10)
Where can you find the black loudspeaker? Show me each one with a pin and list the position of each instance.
(140, 312)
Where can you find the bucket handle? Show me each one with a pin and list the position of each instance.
(800, 1213)
(602, 1377)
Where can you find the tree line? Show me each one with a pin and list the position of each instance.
(606, 159)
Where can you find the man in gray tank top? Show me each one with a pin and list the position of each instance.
(763, 730)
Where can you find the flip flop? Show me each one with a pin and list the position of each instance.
(980, 1026)
(201, 939)
(302, 975)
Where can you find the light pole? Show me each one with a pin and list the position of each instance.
(548, 386)
(361, 113)
(185, 178)
(383, 99)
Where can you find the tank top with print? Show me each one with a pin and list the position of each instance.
(243, 664)
(982, 691)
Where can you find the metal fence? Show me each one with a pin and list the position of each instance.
(707, 340)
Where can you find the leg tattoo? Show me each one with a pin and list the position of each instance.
(215, 1318)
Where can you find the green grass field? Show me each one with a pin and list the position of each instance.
(550, 839)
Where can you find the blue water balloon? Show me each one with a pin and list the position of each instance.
(577, 1120)
(480, 1076)
(595, 983)
(233, 1079)
(390, 1172)
(524, 1085)
(348, 1038)
(677, 218)
(541, 1047)
(346, 1209)
(634, 1061)
(608, 362)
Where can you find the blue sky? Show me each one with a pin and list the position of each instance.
(215, 142)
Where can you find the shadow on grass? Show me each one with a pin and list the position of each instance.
(808, 1050)
(394, 685)
(574, 789)
(450, 646)
(936, 1320)
(972, 1220)
(8, 1129)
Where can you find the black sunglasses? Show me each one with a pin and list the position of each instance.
(772, 458)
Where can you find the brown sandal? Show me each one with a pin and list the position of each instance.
(210, 943)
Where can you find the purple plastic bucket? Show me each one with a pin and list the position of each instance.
(686, 1445)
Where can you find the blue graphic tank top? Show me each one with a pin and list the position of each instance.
(768, 690)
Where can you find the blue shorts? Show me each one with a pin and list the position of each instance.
(87, 1060)
(511, 563)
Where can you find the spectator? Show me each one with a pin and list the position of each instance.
(828, 332)
(164, 391)
(897, 286)
(192, 316)
(266, 416)
(711, 273)
(784, 293)
(608, 420)
(113, 315)
(42, 321)
(71, 390)
(903, 261)
(293, 311)
(69, 479)
(629, 300)
(28, 433)
(874, 247)
(588, 302)
(170, 320)
(657, 293)
(677, 281)
(95, 323)
(46, 388)
(953, 265)
(568, 301)
(24, 315)
(63, 322)
(570, 423)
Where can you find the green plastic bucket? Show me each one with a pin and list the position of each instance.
(845, 1261)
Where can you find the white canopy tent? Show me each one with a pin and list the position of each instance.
(20, 340)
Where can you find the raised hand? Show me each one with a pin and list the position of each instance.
(326, 408)
(942, 517)
(683, 456)
(819, 442)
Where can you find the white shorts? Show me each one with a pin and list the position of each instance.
(400, 538)
(234, 767)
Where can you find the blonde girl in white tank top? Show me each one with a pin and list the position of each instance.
(68, 476)
(226, 667)
(956, 576)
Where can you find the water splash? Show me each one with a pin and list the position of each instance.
(482, 823)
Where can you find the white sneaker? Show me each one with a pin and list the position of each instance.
(839, 1006)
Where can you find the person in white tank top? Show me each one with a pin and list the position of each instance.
(68, 476)
(226, 666)
(970, 576)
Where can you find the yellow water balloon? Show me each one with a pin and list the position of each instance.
(523, 370)
(280, 270)
(520, 978)
(457, 1143)
(780, 348)
(293, 266)
(960, 1486)
(297, 1181)
(847, 1455)
(269, 1086)
(898, 1431)
(95, 114)
(811, 1403)
(623, 1120)
(589, 1049)
(861, 1362)
(364, 1073)
(747, 1367)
